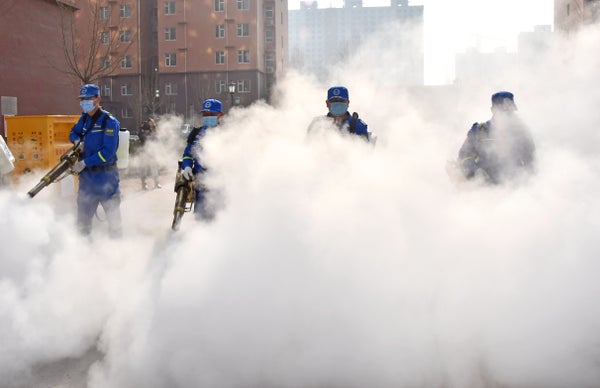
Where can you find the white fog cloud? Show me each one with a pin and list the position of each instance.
(333, 263)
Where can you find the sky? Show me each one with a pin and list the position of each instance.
(331, 262)
(453, 26)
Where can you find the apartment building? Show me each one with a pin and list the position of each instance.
(570, 15)
(320, 38)
(207, 46)
(118, 34)
(174, 54)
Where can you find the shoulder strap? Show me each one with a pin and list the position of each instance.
(353, 121)
(93, 120)
(105, 119)
(193, 133)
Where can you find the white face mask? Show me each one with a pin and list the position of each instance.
(86, 105)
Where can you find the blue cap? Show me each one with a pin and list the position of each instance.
(337, 92)
(89, 90)
(504, 100)
(212, 105)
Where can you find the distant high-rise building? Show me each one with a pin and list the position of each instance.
(534, 46)
(320, 38)
(180, 52)
(478, 68)
(569, 15)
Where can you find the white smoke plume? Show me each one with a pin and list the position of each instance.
(332, 263)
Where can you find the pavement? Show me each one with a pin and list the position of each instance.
(143, 211)
(64, 373)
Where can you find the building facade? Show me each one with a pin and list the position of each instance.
(119, 35)
(570, 15)
(183, 51)
(323, 37)
(32, 81)
(500, 69)
(534, 46)
(473, 68)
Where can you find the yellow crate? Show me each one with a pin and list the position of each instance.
(37, 142)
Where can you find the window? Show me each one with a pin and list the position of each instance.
(106, 90)
(104, 62)
(243, 56)
(269, 61)
(126, 90)
(125, 11)
(170, 60)
(172, 108)
(243, 5)
(126, 62)
(220, 57)
(220, 31)
(170, 33)
(126, 112)
(269, 35)
(243, 29)
(125, 36)
(170, 89)
(220, 86)
(104, 13)
(104, 37)
(243, 86)
(219, 5)
(268, 12)
(169, 8)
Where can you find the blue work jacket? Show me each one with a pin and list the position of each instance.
(101, 140)
(500, 148)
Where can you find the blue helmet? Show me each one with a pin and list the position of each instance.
(212, 105)
(89, 90)
(337, 92)
(504, 100)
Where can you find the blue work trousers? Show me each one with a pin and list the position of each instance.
(100, 187)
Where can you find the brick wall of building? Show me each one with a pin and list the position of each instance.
(32, 61)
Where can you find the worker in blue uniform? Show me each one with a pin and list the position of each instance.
(337, 103)
(98, 132)
(191, 166)
(499, 149)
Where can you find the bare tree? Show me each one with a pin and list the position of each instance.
(95, 43)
